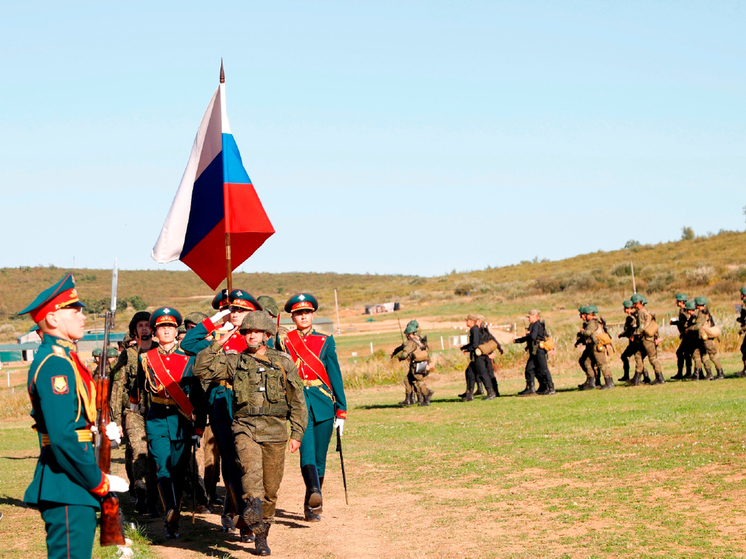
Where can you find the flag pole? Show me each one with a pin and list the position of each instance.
(229, 277)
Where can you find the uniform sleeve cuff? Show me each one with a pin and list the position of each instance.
(209, 326)
(342, 414)
(296, 435)
(103, 487)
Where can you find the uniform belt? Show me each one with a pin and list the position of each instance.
(164, 401)
(315, 382)
(84, 436)
(226, 384)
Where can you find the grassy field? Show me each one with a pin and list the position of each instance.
(634, 472)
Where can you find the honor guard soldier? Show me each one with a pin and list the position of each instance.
(176, 419)
(315, 355)
(416, 351)
(68, 484)
(131, 419)
(742, 321)
(683, 352)
(646, 333)
(267, 393)
(219, 393)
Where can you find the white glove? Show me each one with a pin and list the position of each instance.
(197, 439)
(218, 317)
(227, 327)
(112, 432)
(339, 423)
(117, 484)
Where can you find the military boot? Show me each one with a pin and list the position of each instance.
(479, 391)
(708, 376)
(141, 496)
(645, 377)
(260, 540)
(688, 376)
(247, 535)
(490, 395)
(720, 376)
(528, 391)
(636, 380)
(426, 398)
(468, 397)
(742, 374)
(549, 390)
(589, 384)
(408, 399)
(171, 506)
(625, 376)
(609, 384)
(696, 374)
(679, 374)
(313, 500)
(659, 379)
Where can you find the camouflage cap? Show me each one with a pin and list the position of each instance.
(258, 320)
(627, 304)
(636, 298)
(268, 304)
(682, 297)
(181, 329)
(700, 301)
(195, 318)
(471, 317)
(690, 306)
(412, 327)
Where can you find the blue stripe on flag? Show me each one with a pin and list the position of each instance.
(207, 204)
(233, 171)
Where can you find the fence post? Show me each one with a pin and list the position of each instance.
(371, 348)
(442, 346)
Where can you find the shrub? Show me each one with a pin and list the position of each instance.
(632, 244)
(137, 303)
(701, 275)
(622, 270)
(687, 234)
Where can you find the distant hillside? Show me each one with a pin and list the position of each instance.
(714, 266)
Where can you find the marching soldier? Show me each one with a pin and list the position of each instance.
(270, 305)
(315, 355)
(597, 340)
(632, 349)
(742, 321)
(68, 484)
(477, 362)
(166, 387)
(220, 393)
(705, 345)
(536, 366)
(415, 350)
(268, 393)
(132, 421)
(487, 337)
(646, 332)
(586, 357)
(683, 352)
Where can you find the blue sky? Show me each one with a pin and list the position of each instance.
(401, 137)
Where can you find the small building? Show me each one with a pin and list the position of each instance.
(324, 325)
(18, 352)
(29, 337)
(381, 308)
(93, 339)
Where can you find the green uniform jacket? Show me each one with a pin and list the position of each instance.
(67, 471)
(590, 329)
(267, 390)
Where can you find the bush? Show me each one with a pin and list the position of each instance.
(622, 270)
(687, 234)
(701, 275)
(137, 303)
(632, 244)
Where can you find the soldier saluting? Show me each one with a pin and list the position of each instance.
(68, 483)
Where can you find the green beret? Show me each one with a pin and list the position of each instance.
(195, 318)
(700, 301)
(258, 320)
(636, 298)
(165, 316)
(97, 352)
(690, 306)
(301, 302)
(681, 297)
(743, 290)
(111, 352)
(627, 304)
(412, 327)
(268, 304)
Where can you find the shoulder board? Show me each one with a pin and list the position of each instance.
(58, 351)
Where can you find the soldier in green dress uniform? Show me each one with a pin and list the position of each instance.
(315, 355)
(176, 417)
(267, 394)
(68, 484)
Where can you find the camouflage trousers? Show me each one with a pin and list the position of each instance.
(706, 348)
(587, 362)
(601, 361)
(647, 348)
(415, 382)
(208, 462)
(136, 453)
(262, 465)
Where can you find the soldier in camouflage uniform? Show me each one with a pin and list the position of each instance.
(415, 350)
(742, 321)
(132, 420)
(270, 305)
(633, 347)
(644, 327)
(591, 333)
(267, 392)
(704, 346)
(586, 358)
(684, 351)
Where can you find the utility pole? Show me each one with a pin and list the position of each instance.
(336, 306)
(632, 268)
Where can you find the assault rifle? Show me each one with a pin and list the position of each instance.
(112, 532)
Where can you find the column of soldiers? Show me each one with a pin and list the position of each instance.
(173, 374)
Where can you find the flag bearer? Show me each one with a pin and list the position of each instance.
(176, 418)
(219, 392)
(315, 355)
(67, 484)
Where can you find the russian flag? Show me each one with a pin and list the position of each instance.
(216, 201)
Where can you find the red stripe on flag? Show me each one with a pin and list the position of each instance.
(244, 212)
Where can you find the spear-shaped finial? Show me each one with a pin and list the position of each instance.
(222, 72)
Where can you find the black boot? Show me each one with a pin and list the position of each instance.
(636, 380)
(490, 395)
(742, 374)
(261, 541)
(589, 384)
(528, 391)
(141, 494)
(688, 376)
(426, 398)
(171, 506)
(247, 535)
(679, 373)
(313, 500)
(625, 376)
(696, 374)
(479, 391)
(645, 377)
(709, 374)
(408, 399)
(659, 379)
(549, 389)
(720, 376)
(468, 397)
(609, 384)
